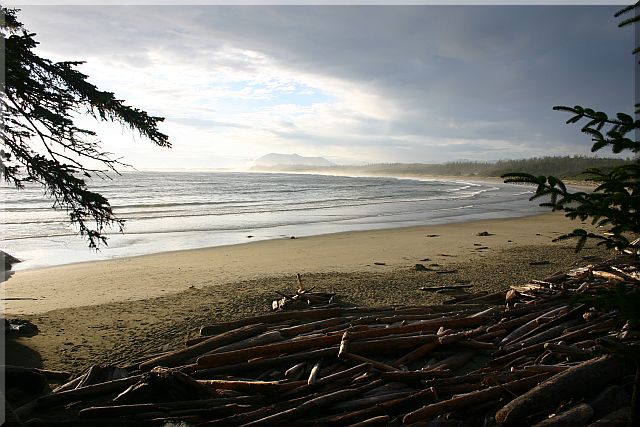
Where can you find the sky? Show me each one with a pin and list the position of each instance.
(353, 84)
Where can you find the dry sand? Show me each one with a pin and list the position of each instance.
(118, 311)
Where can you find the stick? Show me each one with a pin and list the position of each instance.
(444, 288)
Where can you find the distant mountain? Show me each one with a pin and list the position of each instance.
(275, 159)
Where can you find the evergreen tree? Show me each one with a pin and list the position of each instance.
(615, 202)
(42, 143)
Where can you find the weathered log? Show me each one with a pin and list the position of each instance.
(490, 336)
(529, 326)
(473, 398)
(239, 418)
(568, 350)
(295, 372)
(80, 393)
(381, 420)
(176, 358)
(546, 368)
(542, 337)
(513, 323)
(367, 401)
(618, 418)
(70, 385)
(101, 373)
(313, 326)
(334, 378)
(313, 375)
(612, 277)
(165, 385)
(454, 361)
(378, 365)
(577, 415)
(535, 307)
(571, 314)
(314, 404)
(425, 326)
(567, 337)
(254, 365)
(268, 337)
(291, 346)
(310, 314)
(418, 353)
(510, 357)
(253, 387)
(391, 406)
(140, 408)
(49, 374)
(393, 344)
(337, 374)
(573, 382)
(396, 318)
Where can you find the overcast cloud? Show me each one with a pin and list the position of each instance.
(351, 83)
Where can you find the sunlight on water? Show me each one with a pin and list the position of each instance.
(180, 210)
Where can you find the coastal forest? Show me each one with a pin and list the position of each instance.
(565, 167)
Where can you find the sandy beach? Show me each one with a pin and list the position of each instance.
(120, 310)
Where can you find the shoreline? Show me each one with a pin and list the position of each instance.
(66, 249)
(120, 310)
(152, 275)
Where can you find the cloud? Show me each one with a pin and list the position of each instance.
(383, 83)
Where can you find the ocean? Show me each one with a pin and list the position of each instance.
(166, 211)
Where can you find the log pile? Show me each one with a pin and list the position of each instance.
(536, 357)
(303, 298)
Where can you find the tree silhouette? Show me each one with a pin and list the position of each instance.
(615, 202)
(41, 142)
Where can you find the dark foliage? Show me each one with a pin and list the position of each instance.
(615, 202)
(41, 142)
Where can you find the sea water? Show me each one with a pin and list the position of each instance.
(167, 211)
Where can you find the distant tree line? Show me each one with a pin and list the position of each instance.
(565, 167)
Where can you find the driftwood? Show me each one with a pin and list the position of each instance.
(472, 398)
(313, 405)
(577, 415)
(529, 357)
(177, 357)
(85, 392)
(445, 288)
(589, 375)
